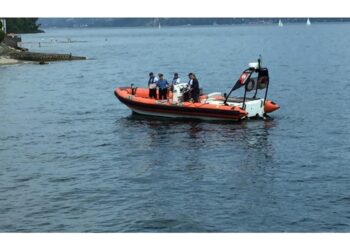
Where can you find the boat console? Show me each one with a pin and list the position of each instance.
(178, 92)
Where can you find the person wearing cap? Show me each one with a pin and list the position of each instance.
(187, 94)
(162, 85)
(194, 87)
(152, 85)
(176, 80)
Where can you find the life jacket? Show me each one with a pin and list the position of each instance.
(151, 83)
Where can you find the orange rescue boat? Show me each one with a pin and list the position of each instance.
(214, 106)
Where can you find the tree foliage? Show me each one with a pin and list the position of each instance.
(2, 35)
(22, 25)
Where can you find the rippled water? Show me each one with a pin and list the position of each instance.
(74, 159)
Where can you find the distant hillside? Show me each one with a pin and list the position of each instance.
(135, 22)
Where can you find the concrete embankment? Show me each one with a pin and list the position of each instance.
(9, 55)
(44, 57)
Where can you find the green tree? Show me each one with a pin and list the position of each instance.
(2, 36)
(22, 25)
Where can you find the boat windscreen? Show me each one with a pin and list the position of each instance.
(243, 79)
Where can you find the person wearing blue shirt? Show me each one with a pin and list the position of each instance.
(162, 85)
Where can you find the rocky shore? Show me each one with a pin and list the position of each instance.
(5, 52)
(9, 55)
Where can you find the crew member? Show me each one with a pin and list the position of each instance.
(162, 85)
(176, 80)
(152, 85)
(194, 87)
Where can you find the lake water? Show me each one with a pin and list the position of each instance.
(74, 159)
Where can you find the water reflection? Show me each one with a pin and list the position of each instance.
(250, 140)
(199, 158)
(194, 129)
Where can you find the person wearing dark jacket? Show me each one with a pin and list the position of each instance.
(194, 87)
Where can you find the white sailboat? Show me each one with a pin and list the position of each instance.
(159, 27)
(308, 23)
(280, 24)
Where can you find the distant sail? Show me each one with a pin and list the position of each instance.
(308, 23)
(157, 20)
(280, 24)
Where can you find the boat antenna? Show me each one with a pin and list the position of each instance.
(259, 61)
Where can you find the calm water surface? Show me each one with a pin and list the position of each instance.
(74, 159)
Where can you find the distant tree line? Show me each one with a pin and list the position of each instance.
(149, 22)
(22, 25)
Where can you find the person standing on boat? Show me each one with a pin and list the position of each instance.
(162, 85)
(176, 80)
(152, 85)
(193, 87)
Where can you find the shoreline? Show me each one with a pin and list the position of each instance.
(11, 56)
(6, 60)
(5, 55)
